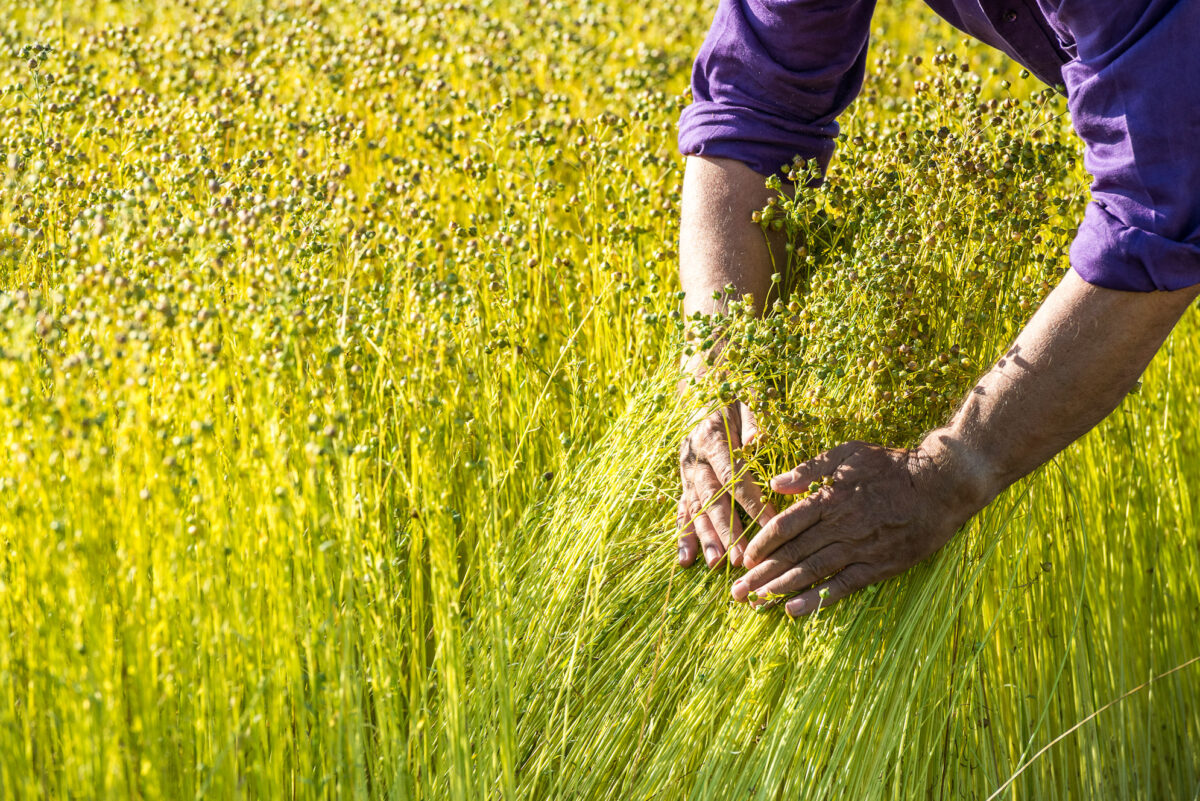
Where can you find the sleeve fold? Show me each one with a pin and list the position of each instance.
(1134, 96)
(771, 79)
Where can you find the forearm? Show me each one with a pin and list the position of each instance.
(1069, 368)
(886, 509)
(719, 245)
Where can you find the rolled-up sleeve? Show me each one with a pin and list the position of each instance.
(1134, 95)
(771, 79)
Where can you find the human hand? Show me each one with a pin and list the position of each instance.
(873, 512)
(708, 467)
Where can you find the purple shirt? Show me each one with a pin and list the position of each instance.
(773, 75)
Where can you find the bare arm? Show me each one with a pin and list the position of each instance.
(1077, 358)
(719, 246)
(888, 509)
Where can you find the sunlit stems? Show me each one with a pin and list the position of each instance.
(431, 318)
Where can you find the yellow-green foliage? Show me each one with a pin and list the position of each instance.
(336, 425)
(905, 272)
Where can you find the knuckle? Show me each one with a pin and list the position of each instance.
(825, 561)
(843, 583)
(814, 568)
(797, 578)
(747, 501)
(794, 519)
(719, 514)
(765, 536)
(791, 552)
(874, 552)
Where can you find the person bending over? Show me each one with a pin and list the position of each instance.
(768, 84)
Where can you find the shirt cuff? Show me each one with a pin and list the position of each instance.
(1110, 254)
(763, 142)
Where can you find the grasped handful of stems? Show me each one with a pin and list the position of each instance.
(870, 512)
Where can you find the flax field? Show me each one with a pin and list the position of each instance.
(339, 424)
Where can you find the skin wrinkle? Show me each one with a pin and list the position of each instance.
(1076, 329)
(1068, 369)
(719, 246)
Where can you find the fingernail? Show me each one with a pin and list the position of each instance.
(739, 589)
(795, 608)
(710, 555)
(682, 554)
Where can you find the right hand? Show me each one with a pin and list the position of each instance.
(707, 516)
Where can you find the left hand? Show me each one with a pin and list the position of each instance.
(879, 512)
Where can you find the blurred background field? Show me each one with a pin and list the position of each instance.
(337, 426)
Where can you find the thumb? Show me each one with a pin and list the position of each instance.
(749, 425)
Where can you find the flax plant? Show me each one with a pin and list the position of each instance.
(338, 419)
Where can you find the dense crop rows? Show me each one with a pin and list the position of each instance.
(336, 424)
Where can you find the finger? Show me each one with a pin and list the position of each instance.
(719, 509)
(746, 491)
(783, 527)
(759, 577)
(722, 440)
(798, 479)
(720, 460)
(749, 424)
(850, 580)
(749, 496)
(825, 533)
(717, 504)
(689, 544)
(821, 565)
(737, 546)
(710, 540)
(689, 547)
